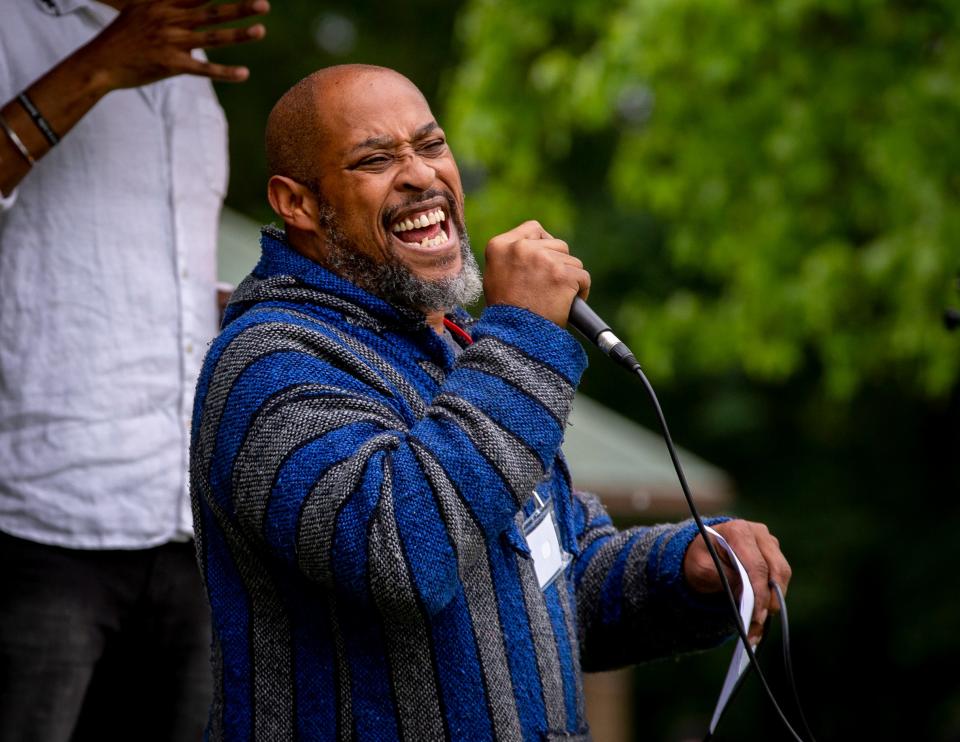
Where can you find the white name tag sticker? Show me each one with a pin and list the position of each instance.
(543, 540)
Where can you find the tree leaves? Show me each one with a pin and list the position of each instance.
(799, 161)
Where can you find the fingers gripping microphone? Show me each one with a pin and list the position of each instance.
(588, 323)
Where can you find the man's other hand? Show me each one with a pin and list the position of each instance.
(759, 552)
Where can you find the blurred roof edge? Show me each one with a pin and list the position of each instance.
(238, 246)
(630, 468)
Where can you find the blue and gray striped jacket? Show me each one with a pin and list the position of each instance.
(358, 494)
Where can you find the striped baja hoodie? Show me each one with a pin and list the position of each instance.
(359, 491)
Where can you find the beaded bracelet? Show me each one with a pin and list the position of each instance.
(42, 124)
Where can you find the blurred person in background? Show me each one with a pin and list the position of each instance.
(113, 167)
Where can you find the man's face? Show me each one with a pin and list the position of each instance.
(388, 178)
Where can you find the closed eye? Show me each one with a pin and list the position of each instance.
(433, 147)
(374, 162)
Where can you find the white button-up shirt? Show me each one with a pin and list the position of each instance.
(107, 298)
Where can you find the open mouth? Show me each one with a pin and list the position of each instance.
(428, 228)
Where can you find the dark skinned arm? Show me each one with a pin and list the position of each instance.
(148, 41)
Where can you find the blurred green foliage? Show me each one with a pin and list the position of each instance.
(766, 185)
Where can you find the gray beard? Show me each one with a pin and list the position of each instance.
(395, 282)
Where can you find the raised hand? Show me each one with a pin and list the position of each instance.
(148, 41)
(153, 39)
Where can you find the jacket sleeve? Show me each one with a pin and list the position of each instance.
(632, 601)
(301, 447)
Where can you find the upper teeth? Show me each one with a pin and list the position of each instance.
(424, 220)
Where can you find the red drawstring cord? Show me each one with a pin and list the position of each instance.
(458, 331)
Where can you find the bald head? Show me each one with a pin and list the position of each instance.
(299, 123)
(361, 174)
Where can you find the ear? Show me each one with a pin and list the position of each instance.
(293, 202)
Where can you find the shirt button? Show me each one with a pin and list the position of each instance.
(189, 348)
(184, 273)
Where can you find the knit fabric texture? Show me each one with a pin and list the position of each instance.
(359, 491)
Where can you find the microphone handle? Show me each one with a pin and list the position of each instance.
(586, 321)
(589, 324)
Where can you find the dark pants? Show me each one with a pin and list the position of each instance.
(102, 645)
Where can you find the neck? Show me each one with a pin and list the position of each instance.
(306, 244)
(435, 320)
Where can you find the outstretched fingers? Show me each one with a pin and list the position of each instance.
(154, 39)
(213, 14)
(217, 72)
(212, 38)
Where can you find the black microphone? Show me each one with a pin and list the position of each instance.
(588, 323)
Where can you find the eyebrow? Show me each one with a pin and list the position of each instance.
(387, 142)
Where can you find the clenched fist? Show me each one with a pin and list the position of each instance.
(527, 267)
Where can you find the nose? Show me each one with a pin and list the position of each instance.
(416, 175)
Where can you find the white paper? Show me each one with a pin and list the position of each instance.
(740, 660)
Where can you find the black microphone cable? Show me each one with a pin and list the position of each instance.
(787, 661)
(588, 323)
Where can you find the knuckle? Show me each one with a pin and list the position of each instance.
(150, 10)
(761, 569)
(494, 246)
(167, 34)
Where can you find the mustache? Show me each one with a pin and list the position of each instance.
(452, 209)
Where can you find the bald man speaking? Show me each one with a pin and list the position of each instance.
(387, 529)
